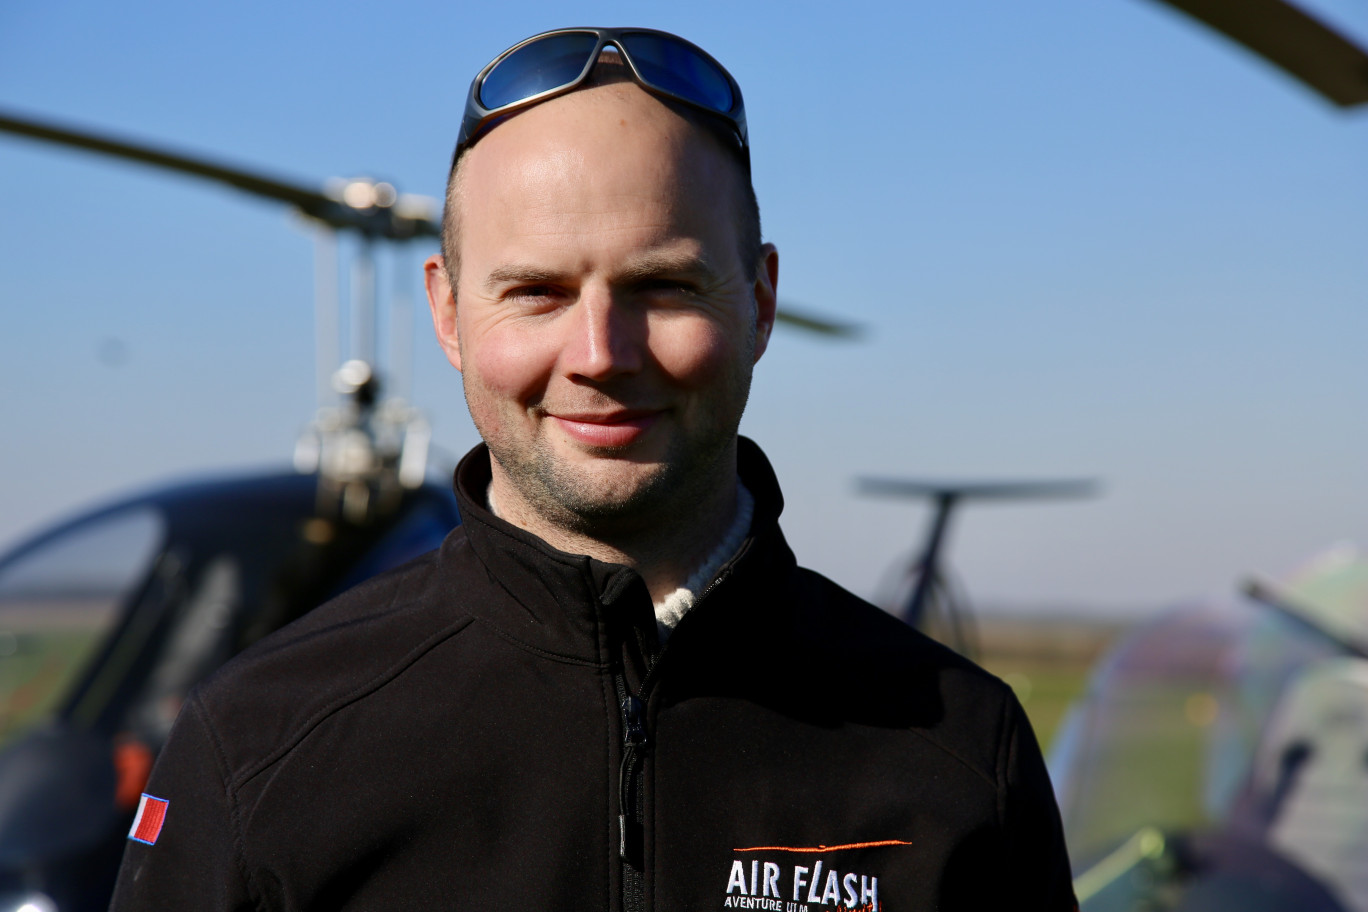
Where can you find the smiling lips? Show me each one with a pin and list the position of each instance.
(607, 431)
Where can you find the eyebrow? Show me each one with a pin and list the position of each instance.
(658, 264)
(520, 275)
(647, 267)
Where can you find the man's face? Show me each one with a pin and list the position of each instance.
(606, 326)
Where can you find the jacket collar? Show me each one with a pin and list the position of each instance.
(569, 595)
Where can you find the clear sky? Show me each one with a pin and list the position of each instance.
(1086, 237)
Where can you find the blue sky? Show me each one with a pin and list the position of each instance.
(1086, 237)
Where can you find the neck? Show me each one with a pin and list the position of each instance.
(665, 544)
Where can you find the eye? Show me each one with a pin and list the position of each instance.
(667, 288)
(535, 298)
(532, 291)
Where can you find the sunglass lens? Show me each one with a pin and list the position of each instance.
(675, 67)
(545, 64)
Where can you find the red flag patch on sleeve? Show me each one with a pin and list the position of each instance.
(147, 825)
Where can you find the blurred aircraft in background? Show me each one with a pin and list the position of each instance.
(108, 619)
(1219, 759)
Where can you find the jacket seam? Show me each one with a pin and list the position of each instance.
(609, 706)
(504, 587)
(234, 808)
(490, 575)
(538, 651)
(1006, 739)
(569, 561)
(973, 768)
(648, 872)
(560, 557)
(308, 725)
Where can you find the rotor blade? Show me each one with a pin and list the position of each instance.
(1305, 615)
(1301, 45)
(805, 320)
(324, 207)
(980, 490)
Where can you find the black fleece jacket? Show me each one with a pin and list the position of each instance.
(494, 726)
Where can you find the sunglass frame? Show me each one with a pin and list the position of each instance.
(478, 118)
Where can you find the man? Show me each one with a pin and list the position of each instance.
(612, 687)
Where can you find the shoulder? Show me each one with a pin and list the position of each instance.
(830, 614)
(890, 674)
(268, 697)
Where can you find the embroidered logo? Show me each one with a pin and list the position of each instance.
(780, 886)
(147, 825)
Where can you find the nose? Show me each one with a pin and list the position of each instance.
(606, 337)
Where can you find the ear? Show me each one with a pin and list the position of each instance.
(766, 296)
(442, 303)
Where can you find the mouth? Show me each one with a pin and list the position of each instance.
(607, 430)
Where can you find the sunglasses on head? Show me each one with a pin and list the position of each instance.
(559, 61)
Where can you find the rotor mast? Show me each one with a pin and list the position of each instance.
(371, 444)
(945, 497)
(365, 448)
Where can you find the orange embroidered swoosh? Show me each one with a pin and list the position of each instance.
(824, 848)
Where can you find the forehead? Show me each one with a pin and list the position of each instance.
(606, 153)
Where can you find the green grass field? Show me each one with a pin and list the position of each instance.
(38, 674)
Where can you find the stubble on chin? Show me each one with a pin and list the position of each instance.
(612, 496)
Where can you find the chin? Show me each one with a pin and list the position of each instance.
(615, 493)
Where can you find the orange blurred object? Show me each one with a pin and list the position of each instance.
(132, 766)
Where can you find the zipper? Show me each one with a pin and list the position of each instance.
(629, 803)
(635, 743)
(631, 836)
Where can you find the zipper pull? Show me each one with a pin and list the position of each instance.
(634, 725)
(634, 739)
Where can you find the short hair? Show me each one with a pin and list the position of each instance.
(609, 69)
